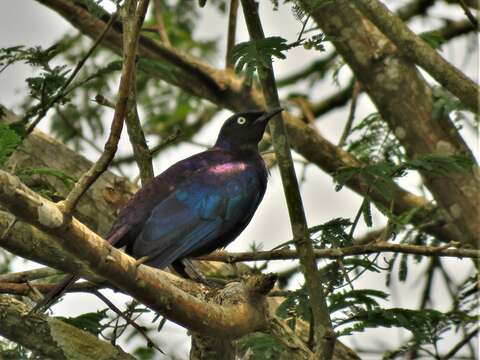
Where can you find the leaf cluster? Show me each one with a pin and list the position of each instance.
(261, 346)
(373, 141)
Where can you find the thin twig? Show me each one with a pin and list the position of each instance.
(61, 92)
(22, 276)
(25, 288)
(161, 28)
(324, 335)
(469, 14)
(334, 253)
(419, 52)
(232, 29)
(462, 343)
(131, 34)
(351, 115)
(154, 150)
(137, 327)
(142, 154)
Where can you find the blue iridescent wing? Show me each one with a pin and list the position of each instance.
(200, 214)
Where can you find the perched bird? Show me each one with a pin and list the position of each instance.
(199, 204)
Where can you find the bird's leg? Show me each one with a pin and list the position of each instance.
(195, 274)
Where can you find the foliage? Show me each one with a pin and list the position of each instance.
(380, 174)
(261, 347)
(256, 55)
(9, 140)
(374, 141)
(12, 351)
(90, 322)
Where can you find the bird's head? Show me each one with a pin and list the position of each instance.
(244, 130)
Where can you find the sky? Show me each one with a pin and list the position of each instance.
(28, 23)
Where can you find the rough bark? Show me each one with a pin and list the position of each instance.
(52, 338)
(405, 101)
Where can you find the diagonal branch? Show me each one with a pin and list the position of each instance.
(414, 48)
(324, 334)
(50, 337)
(141, 153)
(385, 75)
(142, 282)
(133, 22)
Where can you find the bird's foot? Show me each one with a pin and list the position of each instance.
(197, 276)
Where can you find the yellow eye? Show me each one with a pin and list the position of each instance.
(241, 120)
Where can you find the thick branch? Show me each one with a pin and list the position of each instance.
(324, 335)
(414, 48)
(142, 282)
(50, 337)
(385, 75)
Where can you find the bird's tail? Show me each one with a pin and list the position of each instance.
(113, 238)
(54, 294)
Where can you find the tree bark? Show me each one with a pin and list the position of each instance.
(405, 102)
(52, 338)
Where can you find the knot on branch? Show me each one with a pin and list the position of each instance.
(259, 285)
(249, 290)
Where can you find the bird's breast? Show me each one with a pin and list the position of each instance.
(227, 168)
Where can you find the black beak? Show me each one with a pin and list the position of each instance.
(268, 115)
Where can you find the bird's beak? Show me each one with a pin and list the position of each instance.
(268, 115)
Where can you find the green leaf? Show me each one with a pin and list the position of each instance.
(296, 305)
(144, 353)
(261, 347)
(433, 38)
(440, 165)
(333, 233)
(89, 322)
(66, 179)
(9, 140)
(256, 55)
(367, 212)
(356, 298)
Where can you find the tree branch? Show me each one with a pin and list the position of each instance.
(133, 22)
(52, 338)
(414, 48)
(141, 153)
(142, 282)
(232, 30)
(162, 30)
(385, 75)
(338, 253)
(324, 334)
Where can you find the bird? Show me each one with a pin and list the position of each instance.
(199, 204)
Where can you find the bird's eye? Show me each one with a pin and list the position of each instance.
(241, 120)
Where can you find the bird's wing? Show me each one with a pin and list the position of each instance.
(136, 212)
(198, 214)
